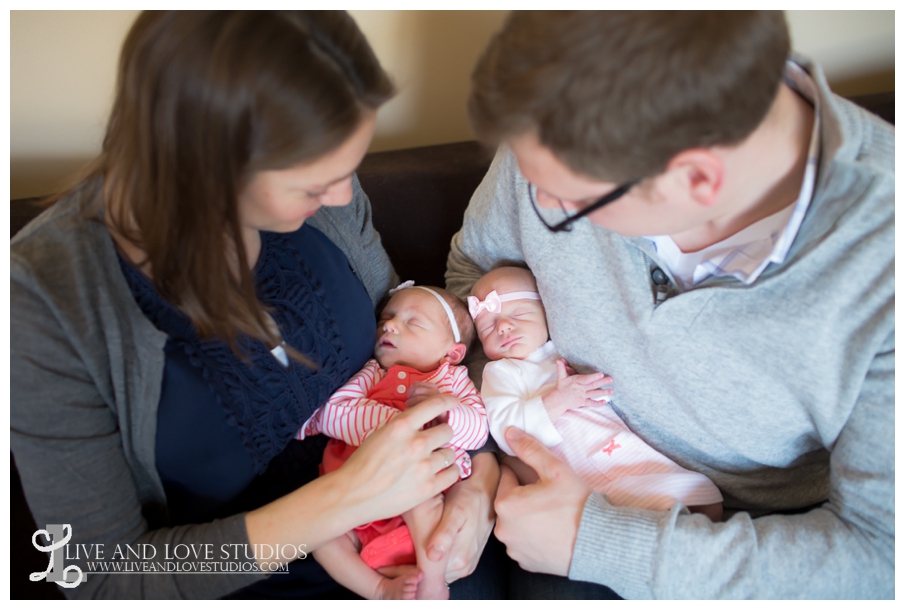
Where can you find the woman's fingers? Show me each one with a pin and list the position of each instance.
(444, 458)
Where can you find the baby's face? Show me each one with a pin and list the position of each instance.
(521, 325)
(414, 331)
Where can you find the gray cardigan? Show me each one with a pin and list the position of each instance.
(86, 374)
(782, 392)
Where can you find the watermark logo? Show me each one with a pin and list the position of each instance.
(139, 558)
(58, 535)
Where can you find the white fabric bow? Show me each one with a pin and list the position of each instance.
(402, 286)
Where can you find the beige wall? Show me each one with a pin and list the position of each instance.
(62, 66)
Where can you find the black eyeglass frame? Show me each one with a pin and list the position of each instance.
(566, 225)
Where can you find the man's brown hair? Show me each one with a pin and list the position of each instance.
(615, 95)
(204, 100)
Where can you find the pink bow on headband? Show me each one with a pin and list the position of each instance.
(492, 303)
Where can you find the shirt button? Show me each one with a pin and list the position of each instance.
(401, 389)
(659, 277)
(401, 374)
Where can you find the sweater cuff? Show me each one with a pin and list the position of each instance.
(233, 534)
(615, 546)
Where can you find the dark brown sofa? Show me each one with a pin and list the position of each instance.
(418, 197)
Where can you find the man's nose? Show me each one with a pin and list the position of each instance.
(546, 200)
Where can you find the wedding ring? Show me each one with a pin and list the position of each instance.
(446, 463)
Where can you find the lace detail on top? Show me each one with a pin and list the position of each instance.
(265, 400)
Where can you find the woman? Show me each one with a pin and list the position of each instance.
(182, 310)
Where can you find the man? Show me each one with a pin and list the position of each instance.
(734, 274)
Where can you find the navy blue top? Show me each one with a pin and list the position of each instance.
(225, 427)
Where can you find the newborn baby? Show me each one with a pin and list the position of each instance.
(531, 387)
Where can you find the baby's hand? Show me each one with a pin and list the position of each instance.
(420, 391)
(574, 391)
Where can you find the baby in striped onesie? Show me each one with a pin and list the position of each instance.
(422, 335)
(531, 387)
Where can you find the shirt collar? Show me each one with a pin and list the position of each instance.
(746, 254)
(541, 353)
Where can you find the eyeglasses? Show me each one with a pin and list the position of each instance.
(566, 225)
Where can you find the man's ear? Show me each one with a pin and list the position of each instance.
(700, 172)
(456, 353)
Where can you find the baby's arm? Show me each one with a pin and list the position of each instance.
(466, 415)
(573, 391)
(469, 419)
(511, 401)
(349, 415)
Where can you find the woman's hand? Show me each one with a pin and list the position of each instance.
(401, 464)
(397, 467)
(468, 519)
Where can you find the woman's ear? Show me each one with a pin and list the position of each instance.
(456, 353)
(700, 172)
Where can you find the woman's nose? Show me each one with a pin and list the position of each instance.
(338, 194)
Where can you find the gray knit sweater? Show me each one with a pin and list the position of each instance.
(782, 392)
(86, 371)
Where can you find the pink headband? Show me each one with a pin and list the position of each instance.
(493, 302)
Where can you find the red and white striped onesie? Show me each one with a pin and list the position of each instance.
(374, 395)
(368, 401)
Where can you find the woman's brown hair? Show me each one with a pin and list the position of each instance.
(203, 101)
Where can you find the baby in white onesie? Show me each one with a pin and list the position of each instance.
(531, 387)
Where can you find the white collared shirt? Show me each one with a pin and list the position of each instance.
(746, 254)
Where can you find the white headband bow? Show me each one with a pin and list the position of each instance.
(493, 302)
(446, 307)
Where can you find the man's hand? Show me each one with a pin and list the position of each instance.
(538, 523)
(467, 520)
(574, 391)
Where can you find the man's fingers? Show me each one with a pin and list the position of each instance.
(531, 451)
(508, 482)
(445, 535)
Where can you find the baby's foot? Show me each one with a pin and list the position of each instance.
(433, 588)
(399, 582)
